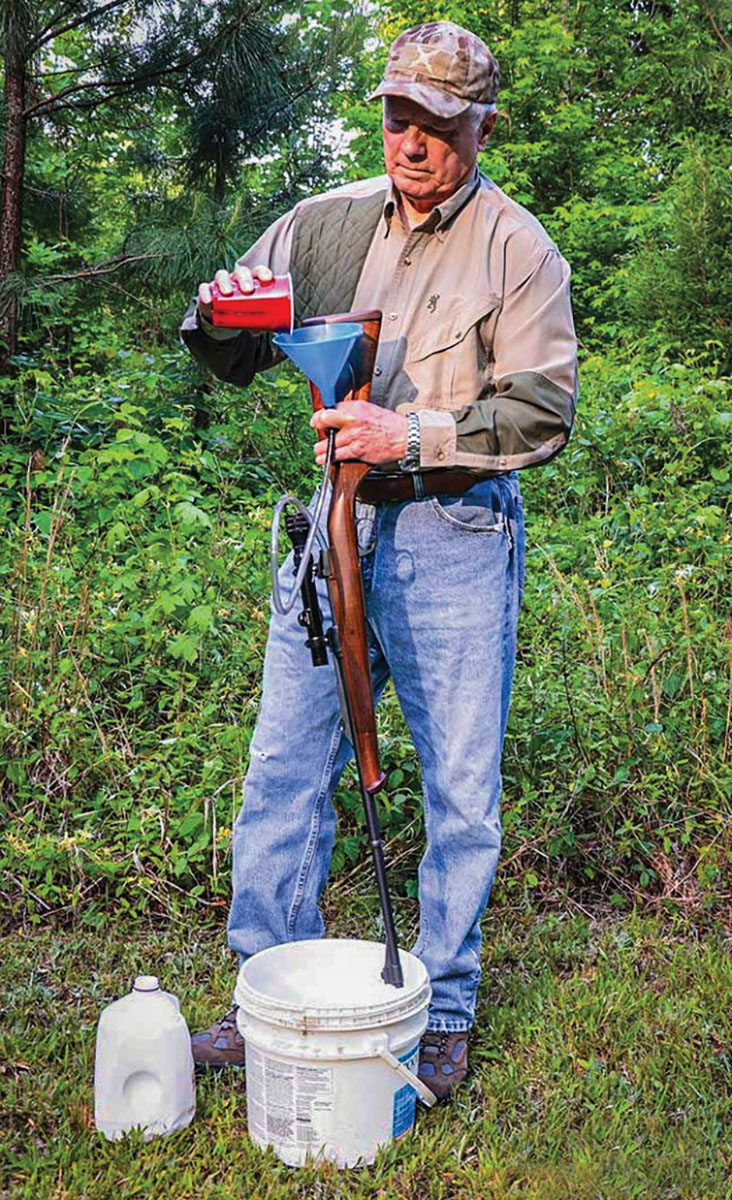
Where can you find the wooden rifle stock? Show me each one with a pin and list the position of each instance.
(345, 587)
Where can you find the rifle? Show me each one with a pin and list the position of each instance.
(347, 638)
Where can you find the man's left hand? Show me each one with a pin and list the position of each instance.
(365, 432)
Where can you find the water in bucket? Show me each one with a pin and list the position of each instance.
(331, 1050)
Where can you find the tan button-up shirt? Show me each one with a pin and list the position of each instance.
(477, 334)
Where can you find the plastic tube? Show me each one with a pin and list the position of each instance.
(286, 606)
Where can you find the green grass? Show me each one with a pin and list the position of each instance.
(601, 1067)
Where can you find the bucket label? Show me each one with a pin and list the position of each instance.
(405, 1099)
(283, 1099)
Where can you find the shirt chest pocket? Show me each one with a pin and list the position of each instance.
(449, 362)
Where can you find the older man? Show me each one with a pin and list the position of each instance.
(475, 377)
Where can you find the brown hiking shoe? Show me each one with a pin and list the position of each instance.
(443, 1060)
(221, 1045)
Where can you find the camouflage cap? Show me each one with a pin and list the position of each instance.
(442, 67)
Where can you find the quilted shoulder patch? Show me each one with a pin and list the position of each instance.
(329, 247)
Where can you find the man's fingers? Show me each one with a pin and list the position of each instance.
(334, 418)
(244, 278)
(346, 446)
(223, 280)
(342, 454)
(246, 275)
(241, 277)
(346, 452)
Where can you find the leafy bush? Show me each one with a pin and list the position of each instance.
(618, 758)
(679, 282)
(134, 611)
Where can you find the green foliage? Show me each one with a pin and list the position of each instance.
(618, 757)
(679, 283)
(134, 612)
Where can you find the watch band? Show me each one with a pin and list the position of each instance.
(411, 460)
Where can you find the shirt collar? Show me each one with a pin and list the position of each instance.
(441, 217)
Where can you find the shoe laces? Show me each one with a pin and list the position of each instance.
(437, 1039)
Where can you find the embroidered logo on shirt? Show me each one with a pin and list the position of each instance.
(432, 302)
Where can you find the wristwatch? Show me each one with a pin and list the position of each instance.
(410, 462)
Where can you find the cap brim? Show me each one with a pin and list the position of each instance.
(435, 100)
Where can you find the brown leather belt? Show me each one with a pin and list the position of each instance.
(406, 485)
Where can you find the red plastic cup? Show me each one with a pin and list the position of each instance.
(268, 309)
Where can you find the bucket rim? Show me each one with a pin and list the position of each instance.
(290, 1014)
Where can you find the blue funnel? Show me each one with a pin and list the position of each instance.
(320, 352)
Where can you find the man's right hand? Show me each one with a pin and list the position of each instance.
(241, 275)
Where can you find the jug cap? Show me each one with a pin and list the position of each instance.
(146, 983)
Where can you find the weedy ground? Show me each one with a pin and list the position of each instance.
(601, 1068)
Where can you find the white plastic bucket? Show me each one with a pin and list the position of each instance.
(331, 1049)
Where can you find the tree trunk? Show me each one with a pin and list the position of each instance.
(11, 211)
(219, 191)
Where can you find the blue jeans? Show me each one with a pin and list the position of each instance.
(443, 582)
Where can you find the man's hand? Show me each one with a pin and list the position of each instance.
(227, 283)
(365, 431)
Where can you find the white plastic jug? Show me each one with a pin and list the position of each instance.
(144, 1074)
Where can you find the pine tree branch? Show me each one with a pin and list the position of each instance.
(63, 11)
(717, 30)
(292, 98)
(51, 31)
(47, 193)
(44, 74)
(142, 303)
(51, 103)
(103, 268)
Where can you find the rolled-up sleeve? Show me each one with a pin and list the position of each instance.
(528, 416)
(234, 355)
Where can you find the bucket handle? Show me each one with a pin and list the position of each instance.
(427, 1096)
